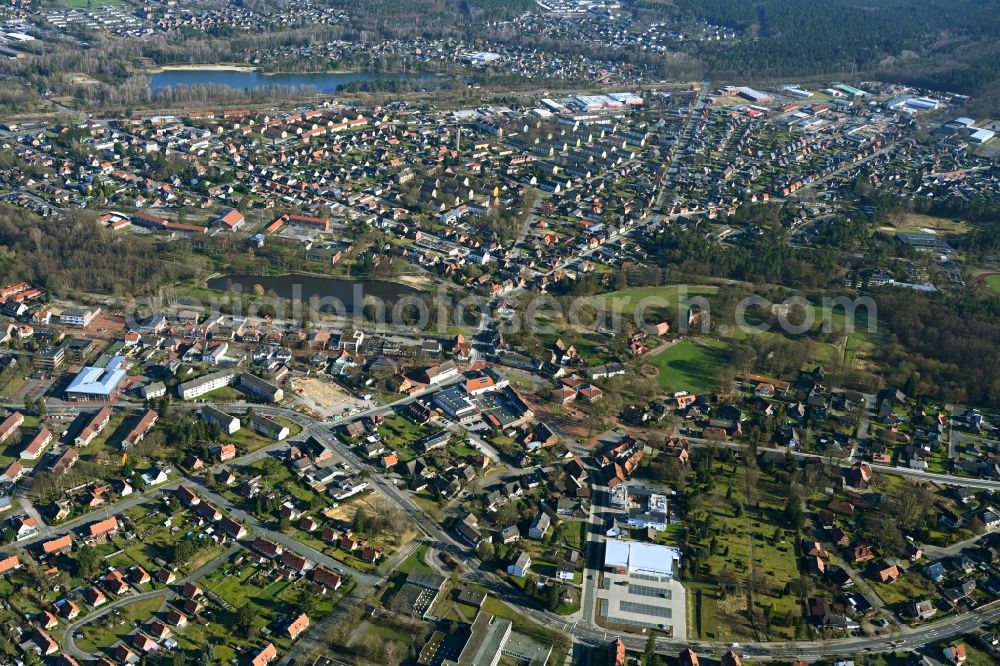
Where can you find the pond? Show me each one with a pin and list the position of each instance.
(324, 82)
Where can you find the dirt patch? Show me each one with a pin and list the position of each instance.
(321, 394)
(346, 511)
(83, 80)
(570, 420)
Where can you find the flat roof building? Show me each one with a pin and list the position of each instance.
(636, 557)
(98, 384)
(80, 317)
(981, 136)
(455, 403)
(486, 642)
(851, 90)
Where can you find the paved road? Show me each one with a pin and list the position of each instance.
(936, 552)
(69, 642)
(683, 139)
(944, 479)
(304, 550)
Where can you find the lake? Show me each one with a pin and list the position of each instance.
(323, 82)
(305, 287)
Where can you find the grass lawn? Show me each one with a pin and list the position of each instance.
(11, 451)
(575, 533)
(194, 638)
(450, 609)
(652, 299)
(271, 598)
(223, 394)
(248, 441)
(12, 383)
(107, 445)
(975, 655)
(897, 659)
(861, 341)
(910, 586)
(427, 502)
(388, 633)
(248, 584)
(154, 541)
(917, 223)
(498, 608)
(110, 628)
(350, 559)
(416, 561)
(689, 366)
(399, 432)
(993, 282)
(277, 477)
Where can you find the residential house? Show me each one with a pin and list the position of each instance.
(540, 526)
(519, 567)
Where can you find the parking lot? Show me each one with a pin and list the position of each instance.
(644, 601)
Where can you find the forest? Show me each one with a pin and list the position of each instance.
(768, 259)
(937, 43)
(75, 255)
(948, 341)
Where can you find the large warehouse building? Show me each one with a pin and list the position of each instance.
(636, 557)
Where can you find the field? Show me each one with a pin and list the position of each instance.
(689, 366)
(993, 282)
(626, 300)
(915, 223)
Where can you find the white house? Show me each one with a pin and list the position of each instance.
(540, 526)
(520, 566)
